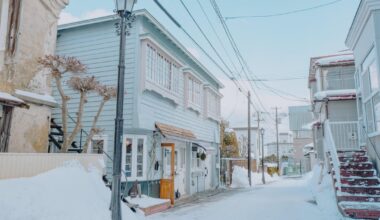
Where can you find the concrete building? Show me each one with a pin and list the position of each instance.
(27, 31)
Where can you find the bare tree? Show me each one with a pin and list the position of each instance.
(107, 93)
(83, 86)
(57, 66)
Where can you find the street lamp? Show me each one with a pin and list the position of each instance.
(262, 154)
(124, 10)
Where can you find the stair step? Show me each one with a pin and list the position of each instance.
(361, 190)
(356, 166)
(352, 154)
(56, 133)
(353, 159)
(360, 181)
(357, 198)
(361, 210)
(359, 173)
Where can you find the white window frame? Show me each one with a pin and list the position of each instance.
(135, 139)
(155, 62)
(210, 93)
(193, 92)
(365, 66)
(104, 138)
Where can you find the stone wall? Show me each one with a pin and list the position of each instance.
(35, 37)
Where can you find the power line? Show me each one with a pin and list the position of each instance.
(284, 13)
(207, 39)
(235, 48)
(196, 43)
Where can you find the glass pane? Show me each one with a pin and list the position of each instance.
(140, 146)
(374, 77)
(366, 85)
(139, 159)
(376, 110)
(129, 146)
(369, 115)
(128, 174)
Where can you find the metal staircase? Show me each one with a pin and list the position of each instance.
(56, 139)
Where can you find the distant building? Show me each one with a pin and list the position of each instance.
(285, 146)
(300, 120)
(242, 138)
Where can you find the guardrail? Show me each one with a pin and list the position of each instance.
(330, 147)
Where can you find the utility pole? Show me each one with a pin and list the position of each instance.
(262, 155)
(278, 155)
(249, 138)
(258, 144)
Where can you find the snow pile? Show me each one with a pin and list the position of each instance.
(336, 59)
(68, 192)
(240, 178)
(35, 97)
(8, 97)
(334, 93)
(324, 193)
(257, 178)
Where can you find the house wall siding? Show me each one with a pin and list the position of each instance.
(155, 108)
(97, 46)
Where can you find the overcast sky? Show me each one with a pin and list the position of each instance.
(275, 47)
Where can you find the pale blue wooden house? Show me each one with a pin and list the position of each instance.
(170, 98)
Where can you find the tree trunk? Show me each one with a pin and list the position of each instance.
(63, 113)
(93, 126)
(78, 124)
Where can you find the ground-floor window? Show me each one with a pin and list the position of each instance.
(134, 156)
(98, 144)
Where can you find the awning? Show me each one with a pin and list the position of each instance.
(9, 100)
(170, 130)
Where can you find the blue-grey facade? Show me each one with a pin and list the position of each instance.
(164, 84)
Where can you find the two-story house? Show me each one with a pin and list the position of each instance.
(337, 129)
(170, 98)
(333, 100)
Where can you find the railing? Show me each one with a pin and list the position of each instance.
(330, 147)
(345, 135)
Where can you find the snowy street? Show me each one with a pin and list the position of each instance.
(285, 199)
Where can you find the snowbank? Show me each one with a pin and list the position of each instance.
(68, 192)
(334, 93)
(240, 178)
(324, 193)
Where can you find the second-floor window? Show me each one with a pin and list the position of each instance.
(371, 95)
(194, 93)
(161, 69)
(212, 104)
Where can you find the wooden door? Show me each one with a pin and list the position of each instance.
(5, 127)
(167, 183)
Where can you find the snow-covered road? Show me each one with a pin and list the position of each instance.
(286, 199)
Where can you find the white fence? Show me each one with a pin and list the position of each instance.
(17, 165)
(345, 135)
(330, 147)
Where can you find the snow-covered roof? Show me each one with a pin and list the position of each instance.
(36, 98)
(336, 59)
(339, 94)
(7, 98)
(310, 145)
(310, 125)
